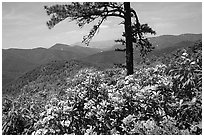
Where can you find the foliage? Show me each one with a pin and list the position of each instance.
(186, 72)
(86, 12)
(45, 83)
(49, 72)
(18, 120)
(138, 39)
(155, 100)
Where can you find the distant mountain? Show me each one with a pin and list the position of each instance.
(35, 56)
(75, 49)
(117, 46)
(167, 50)
(106, 59)
(109, 58)
(16, 62)
(169, 40)
(102, 45)
(162, 41)
(46, 73)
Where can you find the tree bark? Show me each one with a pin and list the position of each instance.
(128, 37)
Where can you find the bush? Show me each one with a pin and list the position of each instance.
(156, 99)
(107, 102)
(186, 72)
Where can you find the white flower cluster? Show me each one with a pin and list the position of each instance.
(100, 93)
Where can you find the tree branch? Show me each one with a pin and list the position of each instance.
(137, 23)
(87, 38)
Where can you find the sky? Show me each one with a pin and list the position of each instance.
(24, 23)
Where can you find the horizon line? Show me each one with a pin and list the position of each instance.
(73, 44)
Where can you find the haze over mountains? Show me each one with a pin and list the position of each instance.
(163, 45)
(102, 45)
(164, 41)
(16, 62)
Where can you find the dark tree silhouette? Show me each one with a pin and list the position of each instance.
(86, 12)
(138, 39)
(128, 36)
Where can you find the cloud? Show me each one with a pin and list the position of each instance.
(108, 22)
(165, 25)
(26, 21)
(12, 19)
(162, 28)
(75, 32)
(155, 18)
(104, 26)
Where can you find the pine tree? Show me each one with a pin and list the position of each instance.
(87, 12)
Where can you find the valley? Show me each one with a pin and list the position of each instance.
(72, 94)
(16, 62)
(102, 68)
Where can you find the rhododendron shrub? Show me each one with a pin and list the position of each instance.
(157, 99)
(186, 73)
(108, 102)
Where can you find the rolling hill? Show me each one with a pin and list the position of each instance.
(102, 45)
(159, 42)
(109, 58)
(16, 62)
(106, 59)
(84, 50)
(165, 41)
(46, 73)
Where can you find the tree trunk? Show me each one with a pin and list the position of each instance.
(128, 37)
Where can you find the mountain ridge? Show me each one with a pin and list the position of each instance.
(16, 62)
(53, 70)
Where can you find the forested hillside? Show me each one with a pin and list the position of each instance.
(108, 59)
(73, 97)
(49, 72)
(16, 62)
